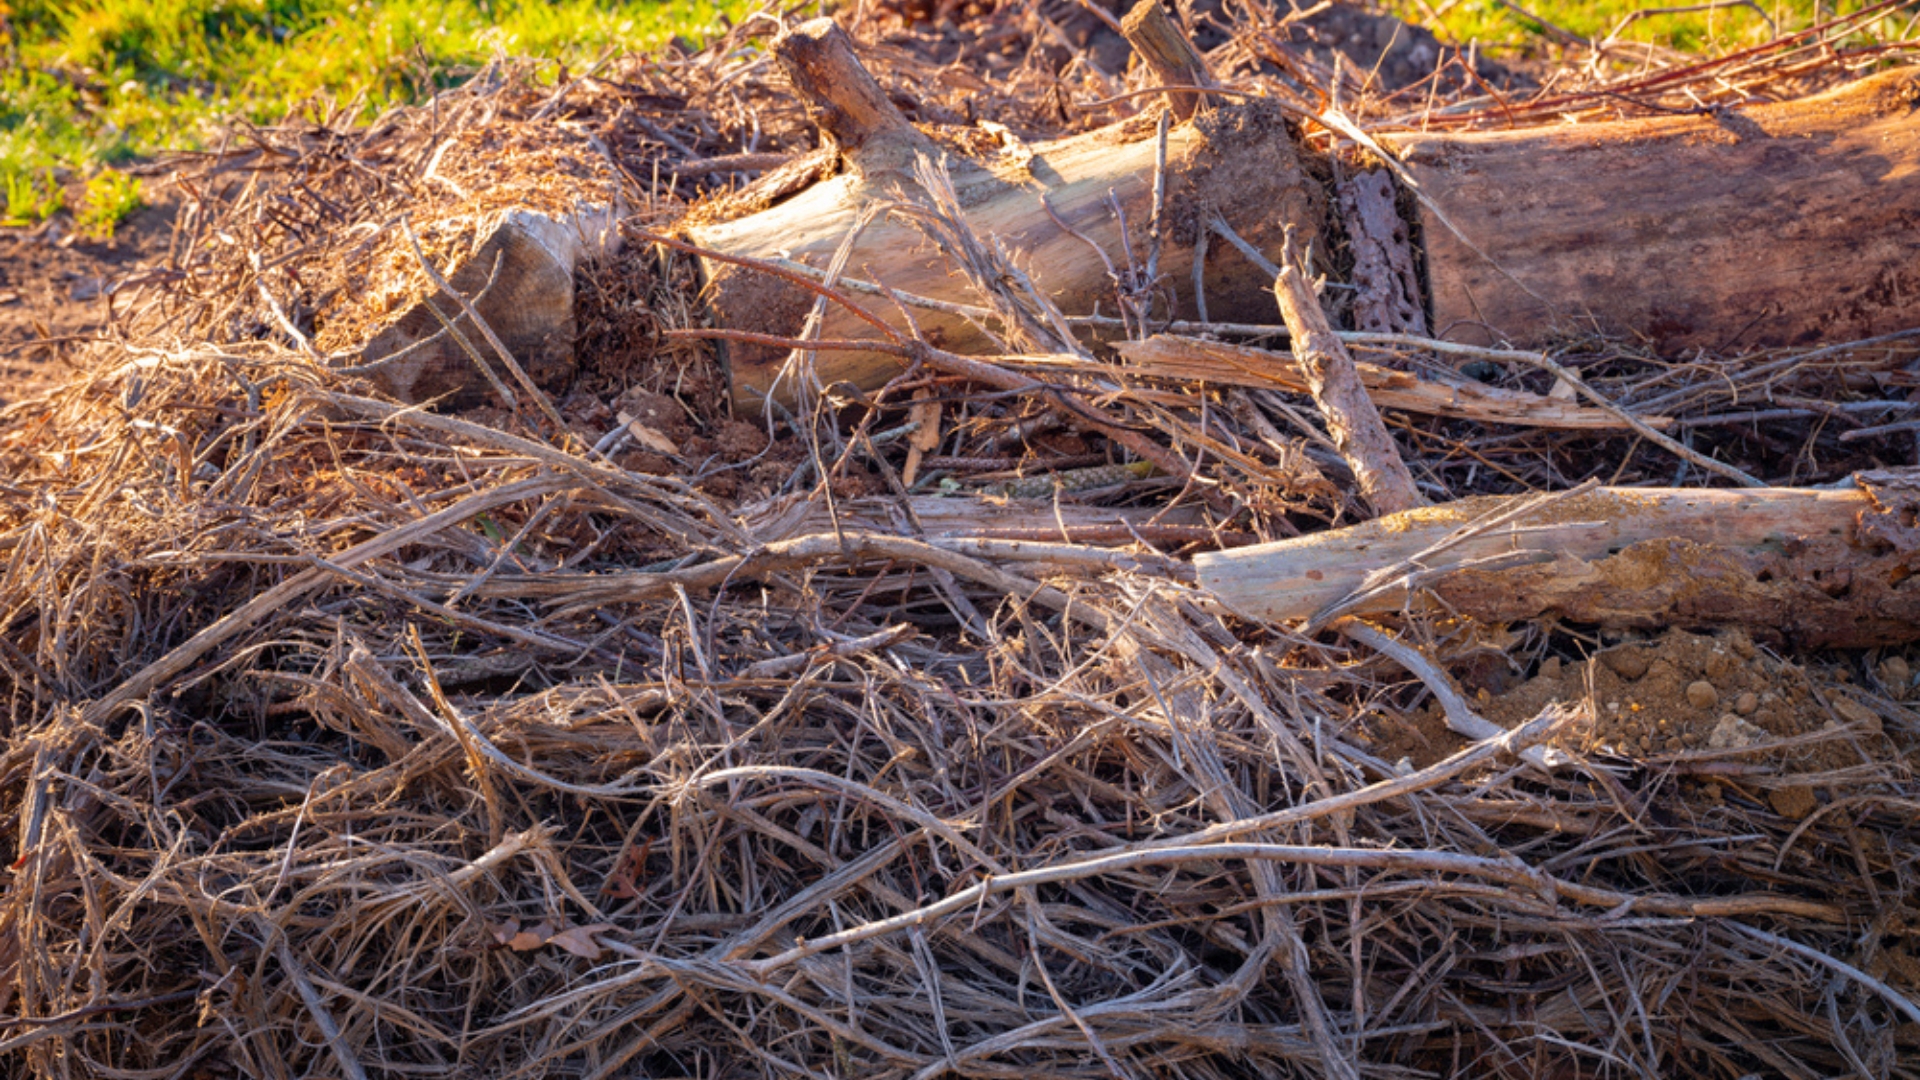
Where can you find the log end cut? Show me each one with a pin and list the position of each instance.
(529, 258)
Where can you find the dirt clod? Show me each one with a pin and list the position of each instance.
(1795, 802)
(1700, 692)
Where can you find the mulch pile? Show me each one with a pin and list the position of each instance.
(346, 737)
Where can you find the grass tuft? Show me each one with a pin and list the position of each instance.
(111, 196)
(86, 84)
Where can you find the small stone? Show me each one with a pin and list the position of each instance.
(1702, 695)
(1794, 802)
(1718, 665)
(1897, 675)
(1550, 668)
(1733, 733)
(1742, 645)
(1856, 714)
(1627, 662)
(1613, 706)
(1746, 703)
(1644, 743)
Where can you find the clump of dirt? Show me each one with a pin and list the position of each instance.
(1708, 696)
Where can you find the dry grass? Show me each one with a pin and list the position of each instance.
(353, 739)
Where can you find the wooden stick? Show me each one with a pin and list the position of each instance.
(1165, 48)
(1352, 420)
(1169, 356)
(840, 95)
(1813, 567)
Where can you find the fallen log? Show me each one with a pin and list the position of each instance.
(1815, 568)
(1770, 225)
(1048, 201)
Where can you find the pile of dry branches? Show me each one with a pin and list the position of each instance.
(351, 738)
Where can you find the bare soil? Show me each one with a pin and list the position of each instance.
(58, 290)
(1691, 698)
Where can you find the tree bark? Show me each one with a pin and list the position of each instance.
(1772, 225)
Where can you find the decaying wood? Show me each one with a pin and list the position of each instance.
(1351, 419)
(1771, 225)
(1817, 568)
(1239, 161)
(519, 275)
(1162, 45)
(1386, 286)
(1172, 357)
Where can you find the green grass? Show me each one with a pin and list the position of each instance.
(1720, 29)
(88, 84)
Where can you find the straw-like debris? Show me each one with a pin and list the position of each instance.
(600, 733)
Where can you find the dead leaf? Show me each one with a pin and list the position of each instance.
(1563, 391)
(623, 881)
(531, 938)
(926, 437)
(579, 941)
(505, 931)
(648, 437)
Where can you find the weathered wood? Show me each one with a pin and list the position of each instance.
(1172, 357)
(1355, 425)
(839, 93)
(1236, 161)
(1164, 47)
(942, 517)
(1769, 225)
(520, 275)
(1813, 567)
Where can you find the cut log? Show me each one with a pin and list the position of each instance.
(529, 258)
(1169, 356)
(1238, 162)
(1812, 567)
(1771, 225)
